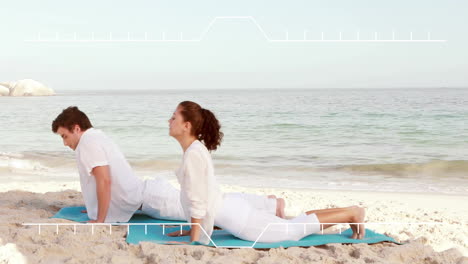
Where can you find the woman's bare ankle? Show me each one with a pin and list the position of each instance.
(280, 204)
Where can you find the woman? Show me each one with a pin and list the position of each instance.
(204, 203)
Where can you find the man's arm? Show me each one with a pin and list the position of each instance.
(103, 190)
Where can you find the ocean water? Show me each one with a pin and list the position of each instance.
(404, 140)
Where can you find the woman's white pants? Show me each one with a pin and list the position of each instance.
(237, 216)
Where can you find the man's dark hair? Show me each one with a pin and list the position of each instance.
(70, 117)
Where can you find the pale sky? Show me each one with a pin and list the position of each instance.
(234, 53)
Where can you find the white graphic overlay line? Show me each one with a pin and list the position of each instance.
(91, 37)
(164, 225)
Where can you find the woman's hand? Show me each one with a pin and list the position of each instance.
(178, 233)
(177, 242)
(97, 221)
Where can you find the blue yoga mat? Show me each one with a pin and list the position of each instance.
(154, 233)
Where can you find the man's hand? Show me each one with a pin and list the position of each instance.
(178, 233)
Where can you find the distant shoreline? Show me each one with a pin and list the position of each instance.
(64, 91)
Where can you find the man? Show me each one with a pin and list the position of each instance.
(111, 191)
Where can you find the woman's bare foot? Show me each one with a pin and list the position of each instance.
(359, 231)
(280, 204)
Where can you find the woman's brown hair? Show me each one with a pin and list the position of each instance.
(205, 126)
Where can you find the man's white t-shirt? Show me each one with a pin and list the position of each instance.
(96, 149)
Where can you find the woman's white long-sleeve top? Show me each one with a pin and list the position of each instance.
(200, 194)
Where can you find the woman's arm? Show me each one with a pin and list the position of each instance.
(195, 188)
(195, 231)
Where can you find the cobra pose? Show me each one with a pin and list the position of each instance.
(198, 132)
(110, 189)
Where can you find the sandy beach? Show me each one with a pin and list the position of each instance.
(442, 241)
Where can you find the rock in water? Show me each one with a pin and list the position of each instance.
(4, 91)
(26, 87)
